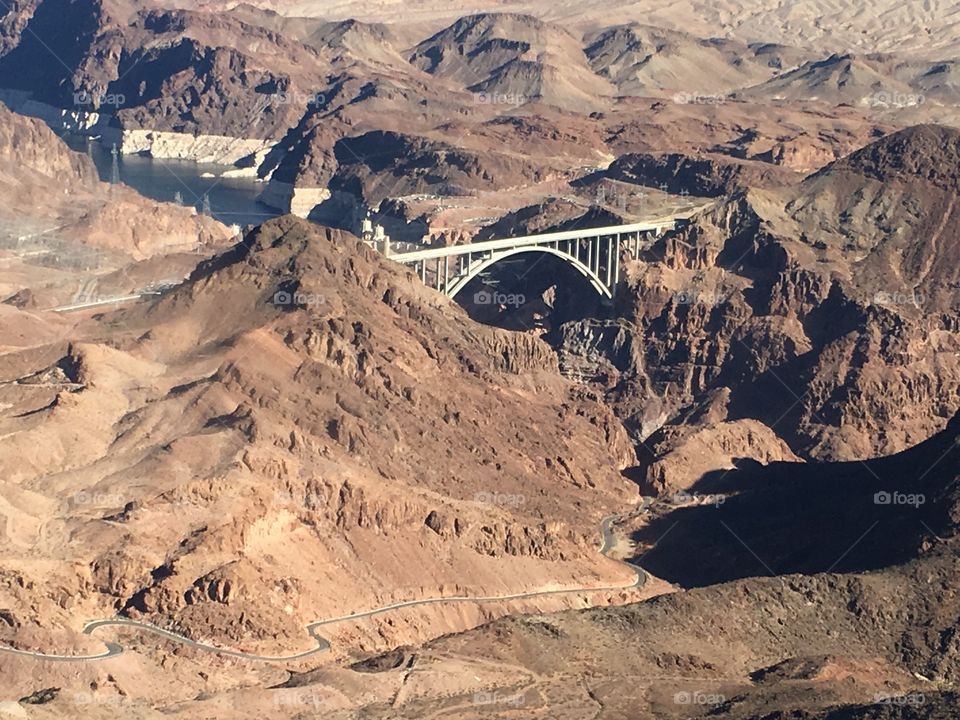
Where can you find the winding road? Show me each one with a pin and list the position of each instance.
(607, 541)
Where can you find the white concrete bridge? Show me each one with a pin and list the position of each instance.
(593, 252)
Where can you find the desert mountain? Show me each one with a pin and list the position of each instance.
(811, 517)
(858, 636)
(299, 397)
(890, 26)
(703, 176)
(212, 438)
(274, 93)
(174, 71)
(101, 219)
(836, 79)
(753, 313)
(339, 163)
(891, 207)
(644, 60)
(373, 43)
(861, 646)
(76, 30)
(513, 56)
(880, 82)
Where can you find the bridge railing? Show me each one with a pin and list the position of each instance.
(595, 252)
(543, 239)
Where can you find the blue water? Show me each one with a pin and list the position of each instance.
(231, 200)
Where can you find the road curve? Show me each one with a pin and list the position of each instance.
(113, 649)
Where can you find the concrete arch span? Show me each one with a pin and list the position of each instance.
(478, 268)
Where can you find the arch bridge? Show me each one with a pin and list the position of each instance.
(593, 252)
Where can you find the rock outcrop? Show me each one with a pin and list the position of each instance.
(825, 311)
(351, 416)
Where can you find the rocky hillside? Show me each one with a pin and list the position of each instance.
(508, 55)
(274, 93)
(824, 647)
(652, 61)
(891, 208)
(827, 311)
(882, 82)
(159, 70)
(792, 517)
(378, 165)
(714, 176)
(299, 423)
(92, 214)
(30, 151)
(836, 643)
(230, 438)
(837, 78)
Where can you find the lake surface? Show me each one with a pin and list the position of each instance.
(231, 200)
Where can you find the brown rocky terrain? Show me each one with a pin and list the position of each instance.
(651, 61)
(314, 386)
(884, 82)
(758, 310)
(282, 96)
(514, 56)
(701, 176)
(111, 229)
(164, 71)
(266, 440)
(785, 647)
(792, 517)
(829, 645)
(891, 26)
(290, 449)
(835, 643)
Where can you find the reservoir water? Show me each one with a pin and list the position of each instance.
(231, 200)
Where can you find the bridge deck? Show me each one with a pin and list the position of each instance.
(510, 243)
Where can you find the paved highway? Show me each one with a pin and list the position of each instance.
(103, 301)
(607, 541)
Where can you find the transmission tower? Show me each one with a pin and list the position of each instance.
(115, 166)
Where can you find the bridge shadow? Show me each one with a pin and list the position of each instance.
(531, 291)
(809, 517)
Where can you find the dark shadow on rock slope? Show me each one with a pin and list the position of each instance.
(811, 517)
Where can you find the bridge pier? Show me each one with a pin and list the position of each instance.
(616, 268)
